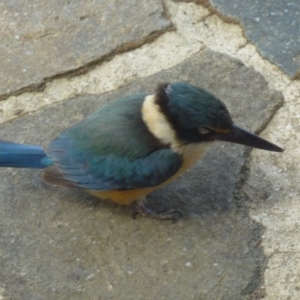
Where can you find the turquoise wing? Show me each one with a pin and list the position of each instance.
(113, 149)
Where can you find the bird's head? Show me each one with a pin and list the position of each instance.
(198, 116)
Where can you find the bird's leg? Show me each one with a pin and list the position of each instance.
(138, 207)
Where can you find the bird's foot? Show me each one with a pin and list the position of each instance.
(140, 209)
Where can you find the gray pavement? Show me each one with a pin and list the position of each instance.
(272, 25)
(240, 207)
(43, 39)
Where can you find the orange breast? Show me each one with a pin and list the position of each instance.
(125, 197)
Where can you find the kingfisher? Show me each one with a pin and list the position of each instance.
(135, 145)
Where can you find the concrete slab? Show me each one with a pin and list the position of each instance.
(273, 26)
(41, 39)
(272, 189)
(276, 206)
(62, 244)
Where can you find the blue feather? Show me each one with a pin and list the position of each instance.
(109, 171)
(23, 156)
(112, 149)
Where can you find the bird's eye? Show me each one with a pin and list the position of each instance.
(204, 130)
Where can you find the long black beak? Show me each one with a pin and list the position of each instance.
(244, 137)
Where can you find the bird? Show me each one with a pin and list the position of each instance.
(135, 145)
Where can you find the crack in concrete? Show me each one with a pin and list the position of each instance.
(121, 70)
(256, 281)
(238, 48)
(207, 4)
(282, 252)
(274, 77)
(227, 19)
(126, 47)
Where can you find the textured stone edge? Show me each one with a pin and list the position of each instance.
(126, 47)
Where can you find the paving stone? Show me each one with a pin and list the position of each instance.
(63, 244)
(41, 39)
(273, 26)
(282, 276)
(272, 188)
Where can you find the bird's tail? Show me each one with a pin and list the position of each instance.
(23, 156)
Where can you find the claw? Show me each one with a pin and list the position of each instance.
(140, 209)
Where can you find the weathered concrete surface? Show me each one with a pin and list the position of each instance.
(166, 51)
(272, 190)
(196, 28)
(41, 39)
(62, 244)
(276, 205)
(195, 23)
(273, 26)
